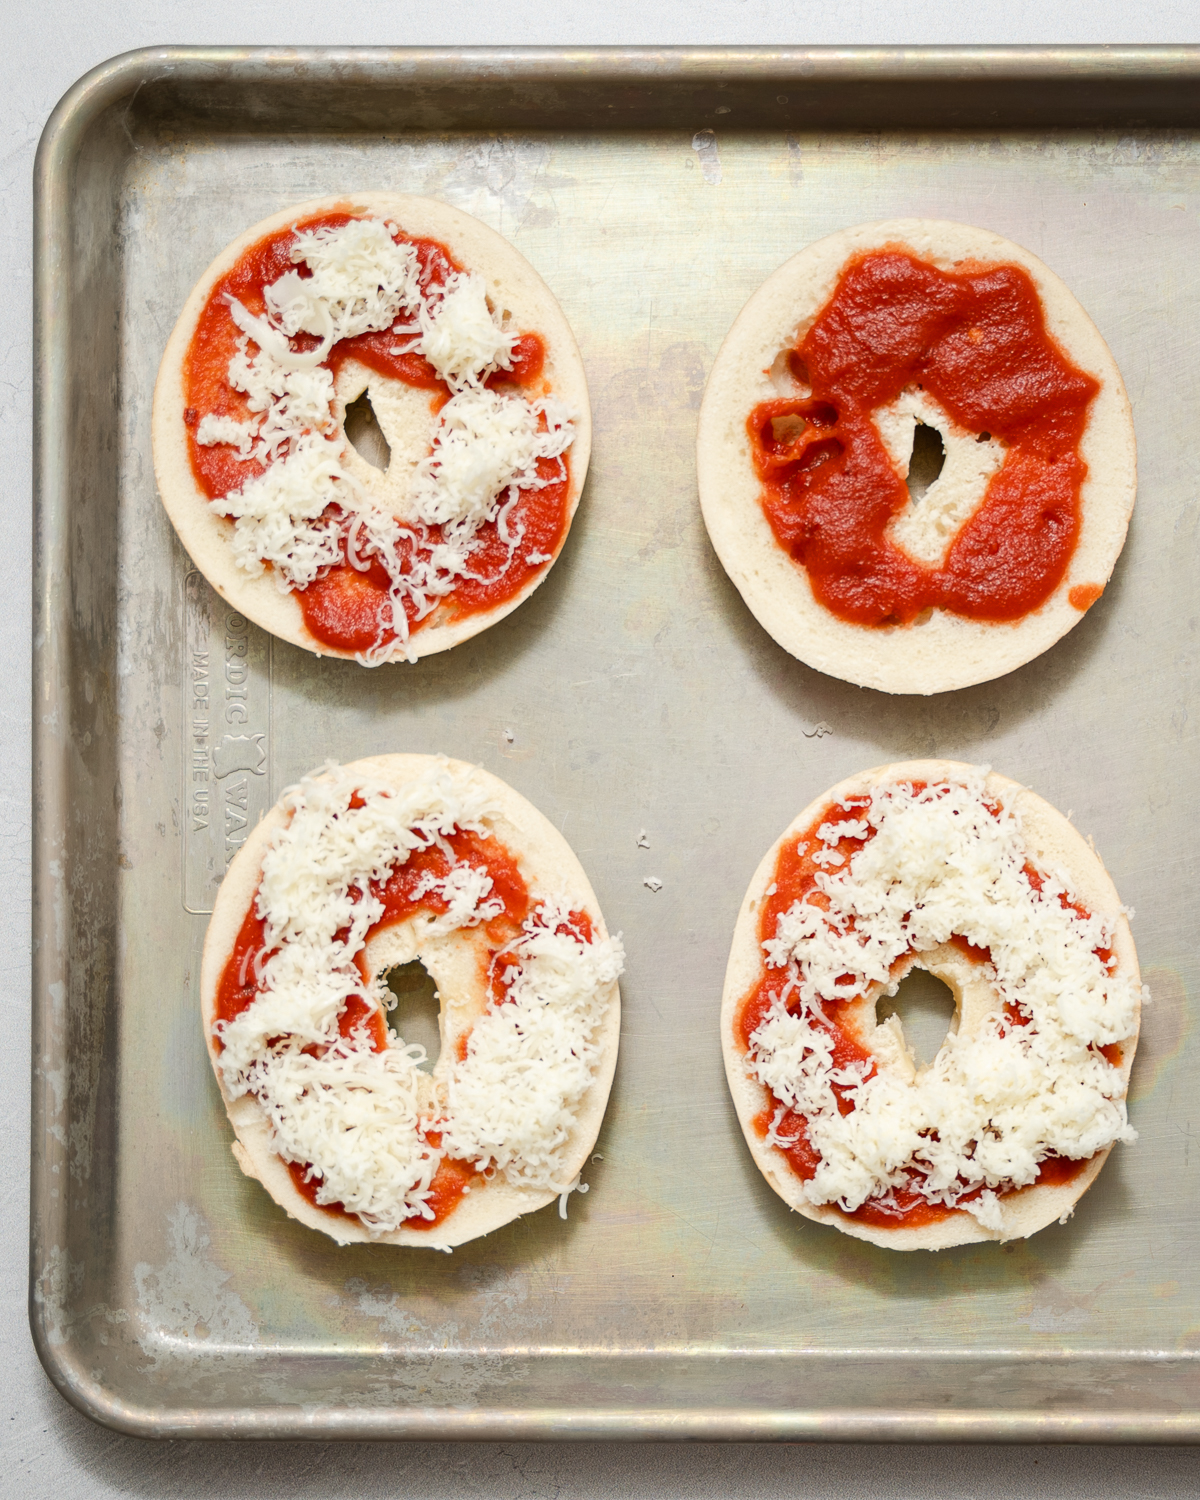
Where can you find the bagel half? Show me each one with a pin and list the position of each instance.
(939, 650)
(458, 962)
(407, 415)
(1051, 846)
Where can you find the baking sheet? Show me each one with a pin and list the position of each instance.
(653, 192)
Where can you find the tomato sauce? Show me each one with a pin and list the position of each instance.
(450, 1182)
(343, 608)
(795, 879)
(975, 339)
(240, 980)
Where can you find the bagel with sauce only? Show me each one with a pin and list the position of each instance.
(807, 429)
(476, 384)
(949, 868)
(362, 868)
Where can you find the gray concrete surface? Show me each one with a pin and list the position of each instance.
(46, 1448)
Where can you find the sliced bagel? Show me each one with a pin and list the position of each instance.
(460, 962)
(938, 650)
(407, 414)
(901, 1106)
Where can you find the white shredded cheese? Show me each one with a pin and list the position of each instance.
(353, 1114)
(281, 514)
(940, 862)
(531, 1059)
(574, 1186)
(300, 513)
(239, 435)
(360, 281)
(487, 444)
(460, 336)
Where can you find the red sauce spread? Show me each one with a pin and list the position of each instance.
(240, 978)
(342, 608)
(795, 880)
(975, 339)
(1083, 596)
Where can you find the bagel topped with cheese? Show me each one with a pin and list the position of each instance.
(916, 336)
(376, 864)
(475, 384)
(959, 871)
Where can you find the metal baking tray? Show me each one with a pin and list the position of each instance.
(653, 190)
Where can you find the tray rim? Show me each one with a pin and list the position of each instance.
(63, 137)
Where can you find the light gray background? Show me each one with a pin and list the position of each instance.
(46, 1448)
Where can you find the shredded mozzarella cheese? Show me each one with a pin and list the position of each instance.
(360, 281)
(488, 444)
(460, 337)
(940, 862)
(239, 435)
(353, 1114)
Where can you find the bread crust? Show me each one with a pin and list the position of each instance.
(1051, 840)
(549, 866)
(513, 285)
(943, 651)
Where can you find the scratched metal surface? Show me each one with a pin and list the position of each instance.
(634, 691)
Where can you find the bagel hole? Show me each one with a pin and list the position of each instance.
(927, 461)
(365, 434)
(788, 371)
(414, 1017)
(787, 430)
(797, 368)
(926, 1010)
